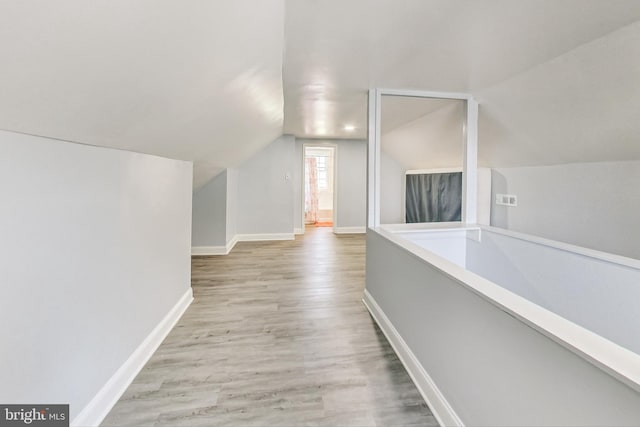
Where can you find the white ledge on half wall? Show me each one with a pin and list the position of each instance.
(428, 226)
(612, 358)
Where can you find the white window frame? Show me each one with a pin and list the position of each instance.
(470, 151)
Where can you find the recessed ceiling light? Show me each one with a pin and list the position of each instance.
(349, 128)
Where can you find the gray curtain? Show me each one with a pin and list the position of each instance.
(435, 197)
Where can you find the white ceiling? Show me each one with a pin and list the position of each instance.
(336, 49)
(583, 106)
(214, 81)
(193, 80)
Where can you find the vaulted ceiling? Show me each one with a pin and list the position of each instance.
(192, 80)
(214, 81)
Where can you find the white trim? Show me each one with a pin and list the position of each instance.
(302, 188)
(298, 231)
(225, 250)
(335, 186)
(377, 155)
(264, 237)
(209, 250)
(424, 94)
(470, 164)
(470, 161)
(428, 171)
(419, 227)
(98, 408)
(349, 230)
(372, 148)
(215, 250)
(334, 158)
(567, 247)
(231, 244)
(438, 404)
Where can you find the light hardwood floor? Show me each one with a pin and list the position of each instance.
(277, 336)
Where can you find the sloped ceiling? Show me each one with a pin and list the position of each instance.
(583, 106)
(192, 80)
(432, 139)
(214, 81)
(556, 79)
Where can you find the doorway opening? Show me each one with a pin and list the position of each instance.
(319, 186)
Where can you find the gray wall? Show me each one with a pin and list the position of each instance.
(392, 176)
(210, 213)
(351, 181)
(604, 301)
(265, 196)
(94, 252)
(493, 369)
(257, 197)
(352, 184)
(232, 204)
(581, 110)
(594, 205)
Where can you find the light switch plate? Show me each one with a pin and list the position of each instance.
(506, 199)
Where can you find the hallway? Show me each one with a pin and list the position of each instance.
(277, 335)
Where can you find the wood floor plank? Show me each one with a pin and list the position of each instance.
(277, 335)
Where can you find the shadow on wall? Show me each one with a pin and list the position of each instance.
(499, 214)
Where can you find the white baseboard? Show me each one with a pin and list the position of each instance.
(441, 409)
(215, 250)
(264, 237)
(298, 231)
(349, 230)
(224, 250)
(98, 408)
(231, 243)
(209, 250)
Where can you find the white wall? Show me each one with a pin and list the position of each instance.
(265, 196)
(210, 212)
(594, 205)
(351, 164)
(94, 252)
